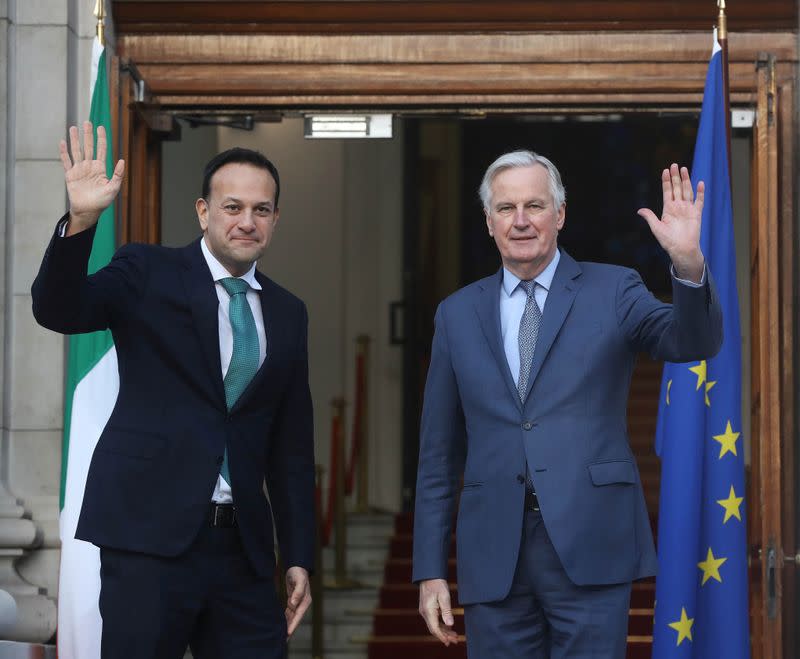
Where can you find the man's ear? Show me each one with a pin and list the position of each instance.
(488, 222)
(562, 216)
(201, 206)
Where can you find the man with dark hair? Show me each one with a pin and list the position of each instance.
(241, 156)
(213, 405)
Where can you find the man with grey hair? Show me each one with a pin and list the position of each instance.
(526, 400)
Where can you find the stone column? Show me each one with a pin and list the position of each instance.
(43, 49)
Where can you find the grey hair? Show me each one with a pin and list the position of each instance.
(516, 159)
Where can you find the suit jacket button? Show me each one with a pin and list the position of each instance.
(220, 460)
(527, 425)
(520, 479)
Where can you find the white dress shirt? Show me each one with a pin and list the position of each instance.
(512, 305)
(222, 490)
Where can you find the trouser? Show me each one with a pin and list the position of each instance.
(545, 615)
(208, 598)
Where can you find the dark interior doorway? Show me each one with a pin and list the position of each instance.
(610, 166)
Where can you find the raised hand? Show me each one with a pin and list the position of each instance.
(678, 230)
(90, 191)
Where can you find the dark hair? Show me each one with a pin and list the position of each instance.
(244, 156)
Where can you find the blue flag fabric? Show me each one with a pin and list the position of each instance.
(701, 607)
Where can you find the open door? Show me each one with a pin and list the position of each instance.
(139, 128)
(771, 495)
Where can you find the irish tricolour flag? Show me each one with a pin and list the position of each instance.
(91, 391)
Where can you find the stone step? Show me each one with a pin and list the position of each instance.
(368, 528)
(358, 554)
(355, 645)
(363, 574)
(337, 602)
(337, 629)
(356, 652)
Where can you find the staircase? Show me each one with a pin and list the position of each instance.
(398, 631)
(348, 612)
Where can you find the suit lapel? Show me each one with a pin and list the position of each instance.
(204, 303)
(268, 307)
(487, 306)
(565, 286)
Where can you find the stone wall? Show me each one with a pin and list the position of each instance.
(45, 54)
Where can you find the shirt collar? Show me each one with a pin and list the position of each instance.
(218, 271)
(544, 279)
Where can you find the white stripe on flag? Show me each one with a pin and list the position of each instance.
(97, 50)
(79, 623)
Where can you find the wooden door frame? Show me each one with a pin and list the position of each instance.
(773, 262)
(574, 72)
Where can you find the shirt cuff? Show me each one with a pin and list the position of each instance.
(687, 282)
(61, 229)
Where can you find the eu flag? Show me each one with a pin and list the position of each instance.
(701, 590)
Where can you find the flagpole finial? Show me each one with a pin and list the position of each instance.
(100, 15)
(722, 21)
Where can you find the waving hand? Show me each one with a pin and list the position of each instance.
(90, 191)
(678, 230)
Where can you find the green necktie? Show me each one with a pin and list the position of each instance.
(244, 359)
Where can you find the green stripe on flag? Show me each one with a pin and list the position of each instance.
(86, 350)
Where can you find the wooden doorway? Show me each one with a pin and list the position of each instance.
(772, 495)
(566, 72)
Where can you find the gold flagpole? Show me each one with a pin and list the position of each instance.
(722, 37)
(100, 15)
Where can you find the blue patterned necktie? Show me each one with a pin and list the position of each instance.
(245, 356)
(528, 332)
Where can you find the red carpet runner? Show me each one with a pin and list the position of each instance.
(400, 633)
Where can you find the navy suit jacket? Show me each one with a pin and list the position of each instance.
(571, 429)
(157, 460)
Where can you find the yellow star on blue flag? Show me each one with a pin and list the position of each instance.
(683, 627)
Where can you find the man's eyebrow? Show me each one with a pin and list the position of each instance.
(264, 202)
(504, 202)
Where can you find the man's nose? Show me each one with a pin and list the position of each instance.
(519, 217)
(247, 220)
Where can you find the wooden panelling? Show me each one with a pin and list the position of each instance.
(449, 49)
(139, 202)
(413, 80)
(361, 16)
(463, 71)
(787, 238)
(767, 451)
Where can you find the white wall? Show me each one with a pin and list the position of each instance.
(373, 253)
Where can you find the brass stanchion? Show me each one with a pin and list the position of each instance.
(362, 500)
(317, 590)
(339, 514)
